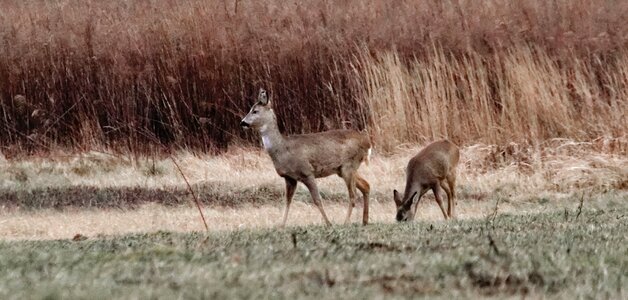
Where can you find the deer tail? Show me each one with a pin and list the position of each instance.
(367, 160)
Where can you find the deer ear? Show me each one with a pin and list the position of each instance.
(396, 198)
(413, 198)
(262, 97)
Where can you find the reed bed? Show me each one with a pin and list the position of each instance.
(152, 76)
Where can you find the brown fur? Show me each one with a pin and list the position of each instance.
(434, 167)
(312, 154)
(305, 157)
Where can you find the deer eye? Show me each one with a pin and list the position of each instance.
(255, 112)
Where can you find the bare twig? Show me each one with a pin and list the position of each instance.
(495, 210)
(198, 204)
(490, 219)
(294, 240)
(63, 115)
(491, 243)
(580, 206)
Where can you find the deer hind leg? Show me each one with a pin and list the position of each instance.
(365, 188)
(451, 181)
(445, 186)
(310, 182)
(436, 190)
(351, 184)
(291, 186)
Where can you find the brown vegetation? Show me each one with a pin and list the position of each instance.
(132, 75)
(96, 180)
(104, 194)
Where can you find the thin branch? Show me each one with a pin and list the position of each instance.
(580, 206)
(490, 219)
(491, 243)
(198, 204)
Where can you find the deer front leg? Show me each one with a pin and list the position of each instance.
(310, 182)
(436, 190)
(291, 186)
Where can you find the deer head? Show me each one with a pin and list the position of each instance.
(260, 114)
(404, 208)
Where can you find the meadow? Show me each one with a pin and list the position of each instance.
(98, 225)
(575, 253)
(99, 98)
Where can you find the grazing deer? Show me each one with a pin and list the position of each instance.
(305, 157)
(433, 168)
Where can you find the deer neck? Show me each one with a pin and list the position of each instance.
(409, 191)
(271, 138)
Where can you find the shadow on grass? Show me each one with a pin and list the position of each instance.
(216, 194)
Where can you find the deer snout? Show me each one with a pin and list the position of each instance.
(245, 125)
(402, 217)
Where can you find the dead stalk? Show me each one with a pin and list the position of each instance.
(198, 204)
(580, 206)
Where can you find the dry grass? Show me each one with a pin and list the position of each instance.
(558, 166)
(521, 96)
(54, 224)
(132, 75)
(57, 225)
(525, 180)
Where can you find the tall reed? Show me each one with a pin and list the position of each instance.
(136, 75)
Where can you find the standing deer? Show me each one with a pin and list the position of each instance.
(434, 167)
(305, 157)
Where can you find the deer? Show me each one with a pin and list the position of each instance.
(433, 168)
(305, 157)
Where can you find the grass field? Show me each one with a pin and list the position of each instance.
(548, 223)
(98, 99)
(560, 254)
(96, 193)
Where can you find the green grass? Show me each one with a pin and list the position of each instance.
(557, 254)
